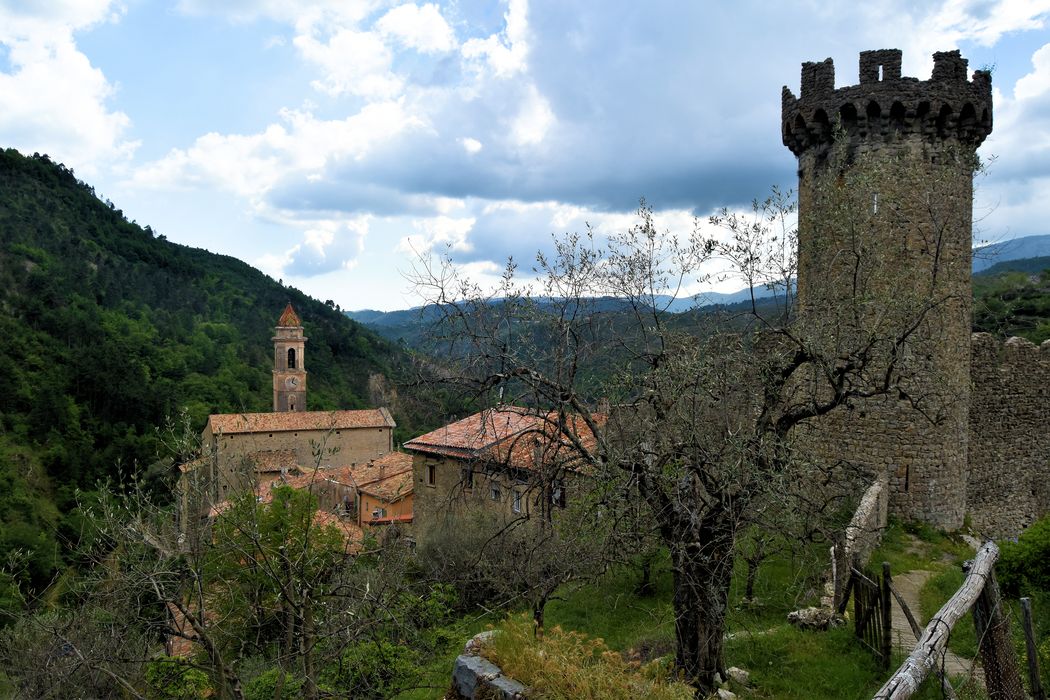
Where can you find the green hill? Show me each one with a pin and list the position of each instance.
(109, 331)
(1013, 298)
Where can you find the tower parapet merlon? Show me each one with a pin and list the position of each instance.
(887, 106)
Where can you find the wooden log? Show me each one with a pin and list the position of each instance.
(1033, 658)
(845, 595)
(912, 622)
(946, 687)
(927, 653)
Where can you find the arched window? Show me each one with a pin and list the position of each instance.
(291, 403)
(291, 358)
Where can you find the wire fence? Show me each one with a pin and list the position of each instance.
(991, 653)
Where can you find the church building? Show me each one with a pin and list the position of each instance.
(246, 451)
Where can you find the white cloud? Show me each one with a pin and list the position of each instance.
(505, 53)
(982, 22)
(470, 145)
(326, 245)
(421, 28)
(353, 62)
(54, 101)
(1014, 199)
(1037, 83)
(297, 12)
(436, 233)
(534, 120)
(56, 19)
(250, 165)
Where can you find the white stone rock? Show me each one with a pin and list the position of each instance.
(738, 675)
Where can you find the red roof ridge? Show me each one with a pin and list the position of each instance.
(289, 319)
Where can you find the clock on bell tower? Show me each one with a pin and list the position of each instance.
(289, 363)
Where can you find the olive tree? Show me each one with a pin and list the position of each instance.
(701, 406)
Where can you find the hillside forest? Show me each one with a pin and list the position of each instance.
(116, 339)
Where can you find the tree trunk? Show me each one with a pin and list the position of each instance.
(306, 645)
(703, 571)
(752, 574)
(537, 615)
(645, 586)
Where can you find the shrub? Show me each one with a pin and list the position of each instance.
(264, 686)
(170, 678)
(569, 665)
(372, 669)
(1024, 565)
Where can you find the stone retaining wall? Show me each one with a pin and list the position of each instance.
(863, 535)
(476, 678)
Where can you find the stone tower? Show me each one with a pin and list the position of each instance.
(289, 363)
(885, 174)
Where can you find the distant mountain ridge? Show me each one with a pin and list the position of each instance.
(984, 257)
(991, 254)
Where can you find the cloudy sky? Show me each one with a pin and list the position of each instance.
(328, 142)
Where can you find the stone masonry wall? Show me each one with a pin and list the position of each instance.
(1009, 476)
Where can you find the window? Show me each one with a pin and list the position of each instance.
(349, 504)
(517, 502)
(431, 474)
(495, 492)
(468, 478)
(291, 358)
(558, 494)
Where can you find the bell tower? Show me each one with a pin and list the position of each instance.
(289, 363)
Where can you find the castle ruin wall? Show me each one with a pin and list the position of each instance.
(1008, 484)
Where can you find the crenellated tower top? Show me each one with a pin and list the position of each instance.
(886, 106)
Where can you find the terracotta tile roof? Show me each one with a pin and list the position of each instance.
(273, 460)
(181, 644)
(351, 532)
(289, 318)
(511, 435)
(390, 487)
(546, 444)
(237, 423)
(192, 464)
(470, 436)
(360, 474)
(388, 477)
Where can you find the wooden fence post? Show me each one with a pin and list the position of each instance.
(1002, 677)
(887, 616)
(924, 658)
(1033, 658)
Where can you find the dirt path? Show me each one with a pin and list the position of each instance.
(908, 585)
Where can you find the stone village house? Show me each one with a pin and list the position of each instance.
(508, 461)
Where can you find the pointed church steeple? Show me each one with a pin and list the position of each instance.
(289, 318)
(289, 363)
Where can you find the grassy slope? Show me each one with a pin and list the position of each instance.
(783, 661)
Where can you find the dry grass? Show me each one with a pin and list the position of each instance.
(563, 664)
